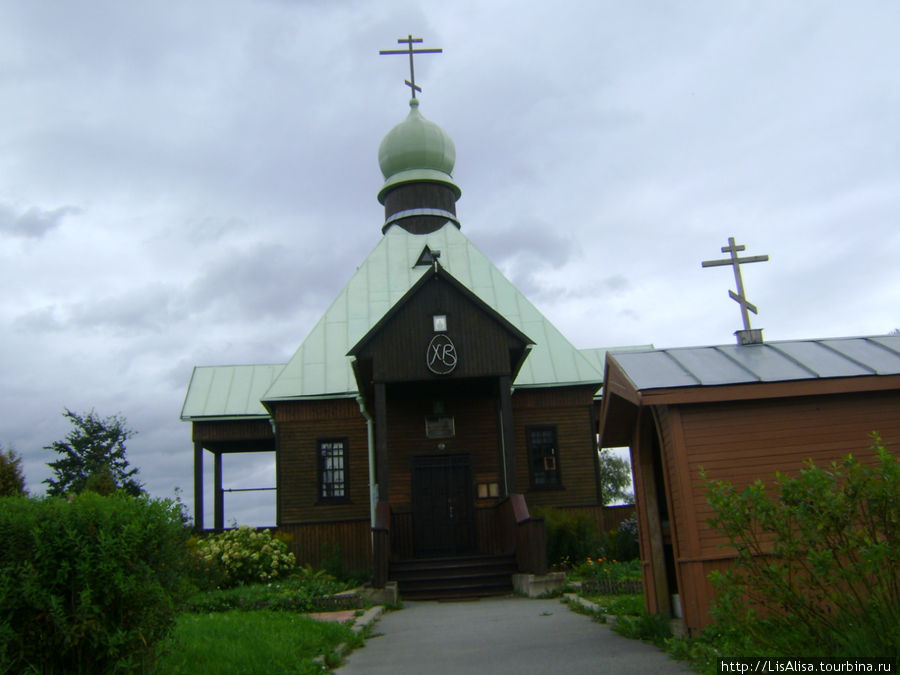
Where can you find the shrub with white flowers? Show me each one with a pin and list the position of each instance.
(244, 556)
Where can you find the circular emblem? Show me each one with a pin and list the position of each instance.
(441, 357)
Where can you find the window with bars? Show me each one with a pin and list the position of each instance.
(543, 459)
(333, 469)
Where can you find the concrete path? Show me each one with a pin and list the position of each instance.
(500, 635)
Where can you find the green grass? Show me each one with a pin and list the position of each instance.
(292, 594)
(256, 641)
(630, 603)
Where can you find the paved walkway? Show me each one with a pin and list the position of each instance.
(501, 635)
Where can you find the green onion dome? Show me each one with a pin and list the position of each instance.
(416, 151)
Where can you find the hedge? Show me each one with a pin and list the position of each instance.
(88, 583)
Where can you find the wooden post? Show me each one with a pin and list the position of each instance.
(598, 475)
(660, 590)
(218, 495)
(198, 487)
(381, 452)
(278, 519)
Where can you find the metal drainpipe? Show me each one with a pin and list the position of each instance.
(503, 450)
(370, 437)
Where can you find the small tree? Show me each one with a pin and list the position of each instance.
(615, 478)
(92, 456)
(12, 480)
(817, 570)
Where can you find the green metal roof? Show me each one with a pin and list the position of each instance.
(228, 392)
(320, 367)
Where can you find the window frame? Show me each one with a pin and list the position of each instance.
(557, 484)
(321, 471)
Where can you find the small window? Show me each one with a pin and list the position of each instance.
(333, 469)
(543, 459)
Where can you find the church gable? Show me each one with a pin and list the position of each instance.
(321, 368)
(441, 330)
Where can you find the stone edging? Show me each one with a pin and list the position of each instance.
(592, 607)
(360, 624)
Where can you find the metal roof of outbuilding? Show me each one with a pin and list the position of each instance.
(778, 361)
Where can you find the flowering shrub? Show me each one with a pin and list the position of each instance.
(611, 577)
(241, 556)
(603, 568)
(622, 543)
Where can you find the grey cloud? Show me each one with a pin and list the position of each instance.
(39, 320)
(616, 283)
(34, 222)
(151, 307)
(526, 252)
(269, 279)
(531, 241)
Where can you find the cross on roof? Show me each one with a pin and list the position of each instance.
(735, 262)
(411, 82)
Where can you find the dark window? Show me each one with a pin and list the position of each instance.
(543, 457)
(333, 469)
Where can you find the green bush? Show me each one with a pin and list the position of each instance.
(12, 480)
(601, 568)
(818, 560)
(571, 536)
(89, 583)
(621, 543)
(650, 627)
(240, 556)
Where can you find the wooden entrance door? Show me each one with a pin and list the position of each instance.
(443, 504)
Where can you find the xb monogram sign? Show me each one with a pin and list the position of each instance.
(441, 357)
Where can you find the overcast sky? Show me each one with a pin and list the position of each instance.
(191, 183)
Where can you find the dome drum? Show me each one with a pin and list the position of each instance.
(403, 205)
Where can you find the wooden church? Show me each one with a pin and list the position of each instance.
(430, 406)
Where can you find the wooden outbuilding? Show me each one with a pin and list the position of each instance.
(741, 412)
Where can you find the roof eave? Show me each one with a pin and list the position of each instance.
(773, 389)
(223, 418)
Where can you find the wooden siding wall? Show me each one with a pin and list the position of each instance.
(475, 411)
(569, 409)
(312, 543)
(399, 350)
(475, 418)
(300, 425)
(749, 440)
(232, 430)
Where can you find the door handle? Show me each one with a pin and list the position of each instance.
(450, 507)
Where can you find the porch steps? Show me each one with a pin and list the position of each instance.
(455, 577)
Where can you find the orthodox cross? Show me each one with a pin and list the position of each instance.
(409, 41)
(735, 262)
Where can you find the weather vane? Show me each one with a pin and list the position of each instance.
(409, 41)
(739, 297)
